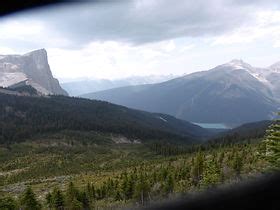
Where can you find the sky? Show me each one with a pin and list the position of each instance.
(122, 38)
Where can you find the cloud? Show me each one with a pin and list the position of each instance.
(110, 59)
(141, 21)
(266, 25)
(23, 34)
(6, 50)
(277, 44)
(111, 39)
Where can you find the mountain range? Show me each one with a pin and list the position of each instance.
(80, 87)
(29, 69)
(232, 93)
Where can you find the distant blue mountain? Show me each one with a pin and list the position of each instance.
(232, 93)
(76, 88)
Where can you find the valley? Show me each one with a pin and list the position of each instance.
(139, 104)
(65, 152)
(113, 156)
(93, 161)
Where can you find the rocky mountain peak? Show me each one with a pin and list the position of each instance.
(42, 52)
(237, 61)
(32, 67)
(238, 64)
(275, 67)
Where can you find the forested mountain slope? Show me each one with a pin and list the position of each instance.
(24, 116)
(245, 132)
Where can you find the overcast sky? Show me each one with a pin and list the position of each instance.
(113, 39)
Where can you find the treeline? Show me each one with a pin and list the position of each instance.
(243, 135)
(152, 181)
(166, 149)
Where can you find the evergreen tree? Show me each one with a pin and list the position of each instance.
(72, 195)
(129, 188)
(28, 200)
(272, 143)
(221, 158)
(49, 200)
(169, 185)
(91, 191)
(197, 167)
(83, 198)
(58, 199)
(7, 203)
(142, 189)
(237, 164)
(118, 196)
(212, 173)
(98, 194)
(124, 186)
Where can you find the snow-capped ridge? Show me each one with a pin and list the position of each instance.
(275, 67)
(238, 64)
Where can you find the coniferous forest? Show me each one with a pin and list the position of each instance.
(59, 184)
(58, 163)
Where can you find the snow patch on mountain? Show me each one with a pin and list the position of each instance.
(164, 120)
(261, 74)
(260, 77)
(275, 67)
(238, 64)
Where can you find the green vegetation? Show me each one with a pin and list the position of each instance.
(22, 118)
(76, 170)
(28, 200)
(7, 203)
(65, 153)
(272, 144)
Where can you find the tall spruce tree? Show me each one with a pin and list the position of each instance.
(28, 200)
(237, 164)
(7, 203)
(58, 199)
(142, 189)
(211, 173)
(197, 167)
(72, 195)
(49, 200)
(272, 143)
(169, 184)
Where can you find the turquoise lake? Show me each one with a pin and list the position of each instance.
(212, 125)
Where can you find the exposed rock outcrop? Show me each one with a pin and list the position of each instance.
(32, 69)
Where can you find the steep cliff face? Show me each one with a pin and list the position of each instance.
(31, 68)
